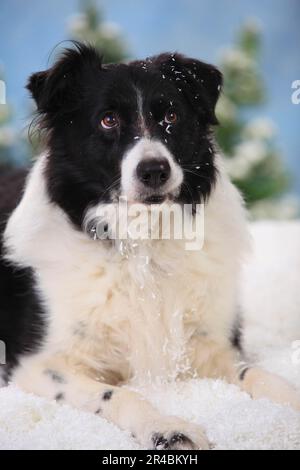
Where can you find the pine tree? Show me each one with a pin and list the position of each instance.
(249, 144)
(89, 26)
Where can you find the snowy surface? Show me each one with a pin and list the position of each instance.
(271, 301)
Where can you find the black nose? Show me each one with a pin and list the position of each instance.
(154, 172)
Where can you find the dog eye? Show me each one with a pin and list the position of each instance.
(110, 120)
(171, 117)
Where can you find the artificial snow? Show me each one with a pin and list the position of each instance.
(271, 302)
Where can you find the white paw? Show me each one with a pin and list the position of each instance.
(174, 433)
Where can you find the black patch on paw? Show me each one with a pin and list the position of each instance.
(107, 395)
(178, 437)
(243, 373)
(162, 443)
(98, 412)
(55, 376)
(59, 396)
(159, 441)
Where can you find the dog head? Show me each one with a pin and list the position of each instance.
(140, 130)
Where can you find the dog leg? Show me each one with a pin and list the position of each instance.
(55, 379)
(262, 384)
(215, 361)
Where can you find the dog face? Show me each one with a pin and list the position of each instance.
(141, 130)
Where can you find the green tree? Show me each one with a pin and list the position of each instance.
(89, 26)
(249, 144)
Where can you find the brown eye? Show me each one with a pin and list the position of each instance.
(110, 120)
(170, 117)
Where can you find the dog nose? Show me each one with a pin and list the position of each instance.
(154, 172)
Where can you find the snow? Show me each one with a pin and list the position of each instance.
(271, 302)
(237, 59)
(110, 30)
(247, 154)
(77, 23)
(260, 128)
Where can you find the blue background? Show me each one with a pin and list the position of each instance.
(30, 29)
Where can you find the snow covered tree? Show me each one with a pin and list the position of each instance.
(90, 26)
(249, 143)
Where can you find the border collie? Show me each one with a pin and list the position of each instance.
(82, 316)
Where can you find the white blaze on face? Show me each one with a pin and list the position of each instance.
(142, 122)
(147, 149)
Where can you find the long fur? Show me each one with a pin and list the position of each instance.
(97, 313)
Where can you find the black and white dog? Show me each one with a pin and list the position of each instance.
(82, 316)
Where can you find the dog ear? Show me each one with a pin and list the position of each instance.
(58, 88)
(199, 81)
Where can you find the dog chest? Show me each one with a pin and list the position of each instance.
(133, 316)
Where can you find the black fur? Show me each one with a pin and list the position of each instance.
(55, 376)
(84, 161)
(107, 395)
(59, 396)
(73, 96)
(237, 333)
(243, 373)
(21, 318)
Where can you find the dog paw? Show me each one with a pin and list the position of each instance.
(174, 433)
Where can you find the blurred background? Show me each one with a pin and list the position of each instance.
(256, 45)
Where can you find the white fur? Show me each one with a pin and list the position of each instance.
(148, 149)
(134, 310)
(117, 316)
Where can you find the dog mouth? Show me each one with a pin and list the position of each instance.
(155, 199)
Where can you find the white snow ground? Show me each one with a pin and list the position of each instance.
(271, 302)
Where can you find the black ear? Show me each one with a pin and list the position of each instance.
(59, 88)
(35, 85)
(200, 82)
